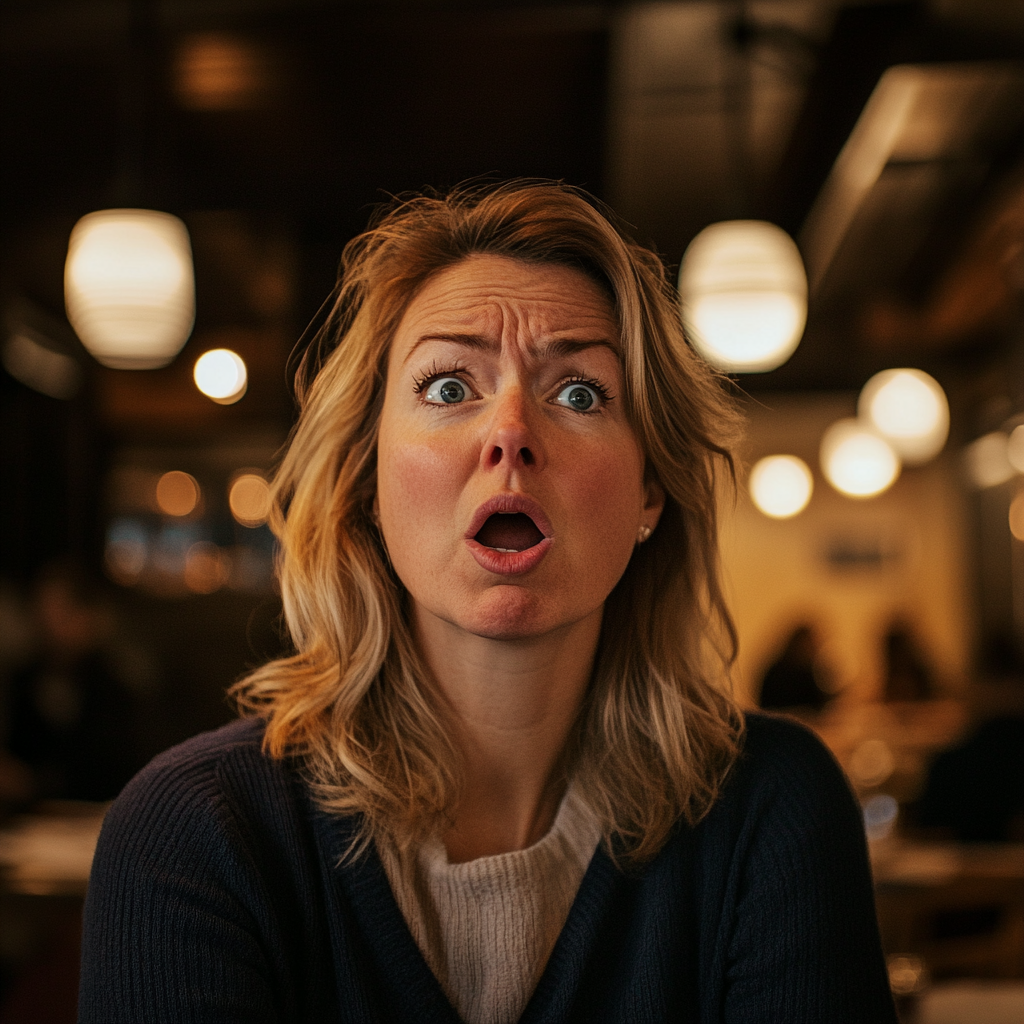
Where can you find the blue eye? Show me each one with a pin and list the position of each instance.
(578, 397)
(446, 391)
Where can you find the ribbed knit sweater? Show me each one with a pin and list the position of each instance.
(218, 895)
(486, 927)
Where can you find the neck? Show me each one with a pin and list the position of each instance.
(514, 703)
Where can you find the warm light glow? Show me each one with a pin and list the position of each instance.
(177, 493)
(1015, 448)
(909, 409)
(207, 568)
(988, 461)
(744, 295)
(213, 71)
(1017, 516)
(249, 499)
(129, 287)
(781, 485)
(871, 763)
(857, 461)
(221, 375)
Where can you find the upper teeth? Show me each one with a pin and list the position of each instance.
(506, 550)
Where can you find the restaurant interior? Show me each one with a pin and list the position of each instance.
(837, 187)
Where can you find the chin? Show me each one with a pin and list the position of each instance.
(508, 613)
(514, 613)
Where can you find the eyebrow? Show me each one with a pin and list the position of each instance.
(559, 347)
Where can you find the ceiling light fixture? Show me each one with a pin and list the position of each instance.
(221, 375)
(129, 288)
(909, 409)
(743, 292)
(781, 486)
(857, 461)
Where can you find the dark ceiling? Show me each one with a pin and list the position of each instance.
(272, 127)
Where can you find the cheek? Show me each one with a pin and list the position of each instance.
(607, 490)
(418, 482)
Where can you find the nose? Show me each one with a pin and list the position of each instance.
(512, 440)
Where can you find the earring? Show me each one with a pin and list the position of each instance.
(645, 532)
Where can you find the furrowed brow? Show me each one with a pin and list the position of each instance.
(571, 346)
(473, 341)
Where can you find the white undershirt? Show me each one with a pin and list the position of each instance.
(487, 927)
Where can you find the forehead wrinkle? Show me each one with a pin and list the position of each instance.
(559, 348)
(471, 341)
(483, 315)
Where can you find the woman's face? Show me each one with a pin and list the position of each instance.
(510, 485)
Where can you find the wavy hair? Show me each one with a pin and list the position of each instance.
(354, 704)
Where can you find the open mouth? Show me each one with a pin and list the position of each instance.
(509, 531)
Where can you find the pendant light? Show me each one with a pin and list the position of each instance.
(743, 292)
(129, 286)
(909, 409)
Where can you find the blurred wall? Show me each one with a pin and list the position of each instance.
(846, 566)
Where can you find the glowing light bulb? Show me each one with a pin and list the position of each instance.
(744, 295)
(221, 375)
(909, 409)
(177, 493)
(781, 486)
(249, 499)
(129, 288)
(856, 461)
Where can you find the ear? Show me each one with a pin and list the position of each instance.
(654, 501)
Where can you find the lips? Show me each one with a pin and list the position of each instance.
(509, 534)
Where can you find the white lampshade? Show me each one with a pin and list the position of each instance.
(129, 288)
(857, 461)
(781, 485)
(744, 295)
(909, 409)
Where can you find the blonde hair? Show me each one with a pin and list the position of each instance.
(658, 730)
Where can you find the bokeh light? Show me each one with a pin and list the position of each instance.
(129, 288)
(781, 485)
(207, 568)
(856, 461)
(988, 460)
(177, 493)
(221, 375)
(743, 292)
(1017, 516)
(880, 814)
(909, 409)
(907, 974)
(1015, 448)
(249, 499)
(871, 763)
(126, 551)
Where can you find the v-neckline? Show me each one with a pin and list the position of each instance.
(414, 992)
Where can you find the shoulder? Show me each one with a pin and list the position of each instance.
(207, 784)
(782, 755)
(785, 786)
(202, 761)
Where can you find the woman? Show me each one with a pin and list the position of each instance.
(499, 779)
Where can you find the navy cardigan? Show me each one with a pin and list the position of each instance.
(216, 895)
